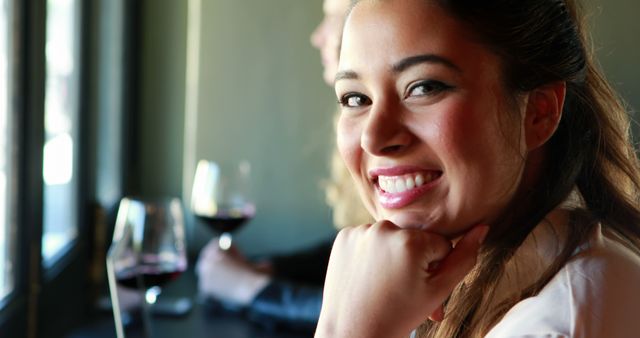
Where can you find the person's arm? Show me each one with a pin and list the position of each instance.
(228, 277)
(286, 292)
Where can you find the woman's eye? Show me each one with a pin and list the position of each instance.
(430, 87)
(352, 100)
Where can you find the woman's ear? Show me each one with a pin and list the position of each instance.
(544, 110)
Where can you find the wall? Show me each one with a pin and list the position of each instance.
(615, 28)
(159, 125)
(260, 97)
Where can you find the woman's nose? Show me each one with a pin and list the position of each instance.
(385, 132)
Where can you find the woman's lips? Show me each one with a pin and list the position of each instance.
(397, 191)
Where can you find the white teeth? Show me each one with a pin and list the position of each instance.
(391, 187)
(387, 184)
(410, 183)
(398, 184)
(381, 183)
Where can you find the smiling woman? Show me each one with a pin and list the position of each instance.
(464, 120)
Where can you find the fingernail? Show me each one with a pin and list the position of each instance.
(482, 233)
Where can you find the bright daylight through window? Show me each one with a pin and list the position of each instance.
(6, 229)
(60, 225)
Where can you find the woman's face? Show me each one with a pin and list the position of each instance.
(326, 37)
(426, 128)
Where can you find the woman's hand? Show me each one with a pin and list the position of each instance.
(383, 281)
(226, 275)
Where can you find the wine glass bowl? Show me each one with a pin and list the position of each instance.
(155, 251)
(148, 249)
(221, 198)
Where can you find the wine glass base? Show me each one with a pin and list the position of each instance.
(172, 306)
(151, 295)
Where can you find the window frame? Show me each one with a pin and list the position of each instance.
(40, 299)
(14, 313)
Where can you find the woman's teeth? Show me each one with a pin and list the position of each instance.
(398, 184)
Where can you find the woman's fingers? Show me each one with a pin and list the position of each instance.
(453, 268)
(461, 260)
(437, 315)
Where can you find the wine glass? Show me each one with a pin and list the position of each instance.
(221, 198)
(147, 251)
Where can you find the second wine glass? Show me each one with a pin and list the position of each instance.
(147, 251)
(221, 198)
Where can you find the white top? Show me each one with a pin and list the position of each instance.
(596, 294)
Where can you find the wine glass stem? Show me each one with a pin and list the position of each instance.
(224, 242)
(146, 319)
(146, 308)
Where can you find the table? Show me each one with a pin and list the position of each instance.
(197, 324)
(200, 322)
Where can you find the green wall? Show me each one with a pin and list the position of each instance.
(261, 98)
(159, 129)
(616, 36)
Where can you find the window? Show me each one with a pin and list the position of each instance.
(7, 232)
(45, 252)
(61, 106)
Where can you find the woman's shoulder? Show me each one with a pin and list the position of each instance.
(595, 294)
(606, 259)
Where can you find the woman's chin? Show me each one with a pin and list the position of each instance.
(412, 222)
(440, 227)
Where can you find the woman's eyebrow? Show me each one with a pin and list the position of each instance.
(346, 74)
(411, 61)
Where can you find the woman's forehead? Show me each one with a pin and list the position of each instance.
(399, 28)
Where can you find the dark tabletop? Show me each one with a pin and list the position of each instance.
(203, 320)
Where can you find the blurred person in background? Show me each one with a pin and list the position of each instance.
(286, 290)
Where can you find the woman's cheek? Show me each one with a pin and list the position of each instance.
(348, 140)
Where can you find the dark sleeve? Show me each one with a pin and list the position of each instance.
(287, 305)
(308, 266)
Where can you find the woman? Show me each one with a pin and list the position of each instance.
(466, 117)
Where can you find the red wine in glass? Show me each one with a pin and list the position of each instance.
(227, 221)
(150, 277)
(148, 250)
(221, 198)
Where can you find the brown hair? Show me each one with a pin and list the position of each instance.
(540, 42)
